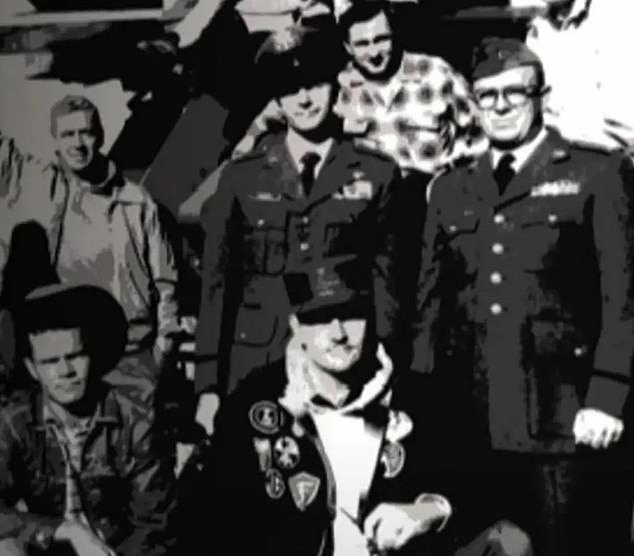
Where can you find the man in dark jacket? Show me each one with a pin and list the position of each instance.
(332, 451)
(79, 455)
(298, 197)
(526, 301)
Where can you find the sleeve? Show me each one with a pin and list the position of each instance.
(427, 298)
(613, 225)
(152, 495)
(164, 271)
(27, 528)
(385, 271)
(220, 216)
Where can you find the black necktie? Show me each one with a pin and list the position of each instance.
(309, 163)
(504, 172)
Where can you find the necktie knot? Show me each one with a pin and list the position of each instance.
(504, 171)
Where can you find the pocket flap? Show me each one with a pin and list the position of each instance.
(255, 327)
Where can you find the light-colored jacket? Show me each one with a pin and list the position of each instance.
(145, 270)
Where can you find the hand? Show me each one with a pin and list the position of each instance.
(392, 526)
(82, 539)
(596, 428)
(207, 407)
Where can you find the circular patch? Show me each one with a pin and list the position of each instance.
(286, 452)
(393, 459)
(265, 417)
(274, 484)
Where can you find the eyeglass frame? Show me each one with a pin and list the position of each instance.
(526, 92)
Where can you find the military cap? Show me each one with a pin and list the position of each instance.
(495, 55)
(93, 310)
(299, 56)
(336, 287)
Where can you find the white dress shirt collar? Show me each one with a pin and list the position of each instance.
(521, 153)
(298, 146)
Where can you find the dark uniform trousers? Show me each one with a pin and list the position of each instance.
(260, 225)
(525, 302)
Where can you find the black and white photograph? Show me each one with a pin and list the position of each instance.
(316, 278)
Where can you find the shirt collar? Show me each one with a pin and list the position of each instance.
(521, 153)
(298, 146)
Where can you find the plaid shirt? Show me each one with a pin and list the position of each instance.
(423, 117)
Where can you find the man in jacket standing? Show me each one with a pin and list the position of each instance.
(526, 300)
(103, 231)
(299, 196)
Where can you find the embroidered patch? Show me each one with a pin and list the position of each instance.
(286, 452)
(274, 485)
(393, 459)
(263, 449)
(265, 417)
(304, 488)
(556, 189)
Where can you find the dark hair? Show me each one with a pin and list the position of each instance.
(77, 103)
(362, 11)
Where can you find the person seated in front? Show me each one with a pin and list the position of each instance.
(79, 455)
(333, 451)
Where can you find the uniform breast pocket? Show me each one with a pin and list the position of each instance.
(543, 231)
(461, 231)
(559, 362)
(266, 240)
(346, 229)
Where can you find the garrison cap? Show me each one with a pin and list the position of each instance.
(336, 287)
(495, 55)
(299, 56)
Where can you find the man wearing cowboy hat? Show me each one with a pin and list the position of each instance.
(526, 302)
(79, 454)
(329, 451)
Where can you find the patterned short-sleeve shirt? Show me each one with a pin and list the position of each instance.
(424, 117)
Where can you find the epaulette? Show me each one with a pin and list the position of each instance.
(583, 145)
(261, 148)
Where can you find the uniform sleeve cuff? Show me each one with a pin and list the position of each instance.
(443, 505)
(607, 393)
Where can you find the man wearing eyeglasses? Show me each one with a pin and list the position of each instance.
(525, 299)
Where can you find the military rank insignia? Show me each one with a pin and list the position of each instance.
(263, 450)
(265, 417)
(274, 484)
(304, 488)
(393, 459)
(286, 452)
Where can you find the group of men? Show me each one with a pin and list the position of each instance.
(416, 330)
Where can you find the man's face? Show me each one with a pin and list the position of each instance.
(307, 108)
(76, 140)
(370, 45)
(510, 104)
(334, 346)
(60, 364)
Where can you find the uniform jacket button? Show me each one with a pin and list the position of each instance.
(552, 218)
(499, 219)
(304, 246)
(496, 278)
(497, 248)
(260, 222)
(305, 220)
(496, 309)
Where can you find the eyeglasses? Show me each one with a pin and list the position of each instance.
(513, 96)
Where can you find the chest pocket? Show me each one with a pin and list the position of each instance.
(544, 231)
(461, 233)
(345, 229)
(265, 236)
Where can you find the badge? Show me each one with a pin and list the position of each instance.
(274, 484)
(355, 191)
(266, 197)
(393, 458)
(265, 417)
(263, 449)
(556, 189)
(304, 488)
(286, 452)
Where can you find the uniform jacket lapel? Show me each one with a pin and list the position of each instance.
(329, 178)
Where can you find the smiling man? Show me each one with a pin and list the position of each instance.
(525, 301)
(299, 196)
(333, 451)
(103, 231)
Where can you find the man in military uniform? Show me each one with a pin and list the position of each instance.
(526, 301)
(331, 450)
(299, 196)
(79, 454)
